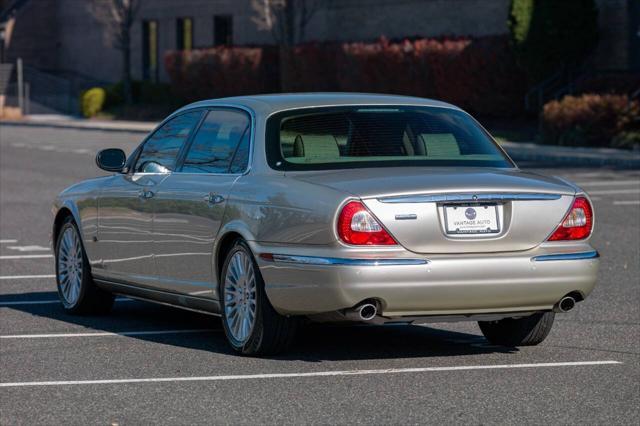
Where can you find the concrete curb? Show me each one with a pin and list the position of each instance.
(529, 152)
(107, 126)
(571, 156)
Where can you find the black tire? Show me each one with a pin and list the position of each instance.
(528, 331)
(90, 300)
(271, 333)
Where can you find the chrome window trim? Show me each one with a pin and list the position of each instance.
(318, 260)
(566, 256)
(470, 198)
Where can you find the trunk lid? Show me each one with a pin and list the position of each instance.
(411, 203)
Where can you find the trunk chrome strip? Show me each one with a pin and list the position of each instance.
(316, 260)
(566, 256)
(482, 197)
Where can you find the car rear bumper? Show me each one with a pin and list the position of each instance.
(438, 285)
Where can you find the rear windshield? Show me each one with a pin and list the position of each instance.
(358, 137)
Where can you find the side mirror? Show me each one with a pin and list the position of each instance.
(111, 159)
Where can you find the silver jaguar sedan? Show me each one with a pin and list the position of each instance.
(333, 207)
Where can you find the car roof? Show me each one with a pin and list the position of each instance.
(271, 103)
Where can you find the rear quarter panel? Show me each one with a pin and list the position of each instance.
(275, 209)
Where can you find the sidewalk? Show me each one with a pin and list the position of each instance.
(69, 122)
(529, 152)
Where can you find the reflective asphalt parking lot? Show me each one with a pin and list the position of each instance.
(147, 363)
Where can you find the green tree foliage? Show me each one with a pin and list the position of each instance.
(549, 35)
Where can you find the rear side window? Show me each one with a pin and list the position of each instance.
(355, 137)
(160, 151)
(219, 145)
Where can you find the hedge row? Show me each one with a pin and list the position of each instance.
(592, 120)
(477, 74)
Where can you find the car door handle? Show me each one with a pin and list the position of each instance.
(145, 194)
(212, 198)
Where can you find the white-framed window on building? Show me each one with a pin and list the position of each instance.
(150, 50)
(184, 33)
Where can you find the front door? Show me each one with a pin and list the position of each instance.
(190, 204)
(126, 204)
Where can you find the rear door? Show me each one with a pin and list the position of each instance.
(126, 204)
(190, 203)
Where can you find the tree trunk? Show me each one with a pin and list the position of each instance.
(126, 72)
(285, 54)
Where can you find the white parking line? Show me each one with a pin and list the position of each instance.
(24, 277)
(610, 183)
(310, 374)
(8, 241)
(26, 256)
(48, 302)
(627, 203)
(29, 248)
(107, 334)
(615, 191)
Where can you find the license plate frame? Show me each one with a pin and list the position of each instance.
(474, 217)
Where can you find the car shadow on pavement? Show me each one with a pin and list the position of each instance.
(315, 342)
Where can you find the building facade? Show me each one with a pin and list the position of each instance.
(64, 36)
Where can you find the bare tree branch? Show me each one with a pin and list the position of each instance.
(286, 19)
(117, 18)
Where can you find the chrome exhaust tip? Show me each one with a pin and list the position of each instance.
(367, 311)
(363, 312)
(565, 304)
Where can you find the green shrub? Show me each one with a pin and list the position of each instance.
(550, 34)
(92, 101)
(591, 120)
(477, 74)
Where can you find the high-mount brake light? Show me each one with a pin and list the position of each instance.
(357, 226)
(577, 224)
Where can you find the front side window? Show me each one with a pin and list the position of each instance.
(221, 144)
(160, 151)
(367, 136)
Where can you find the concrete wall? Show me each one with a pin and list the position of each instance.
(33, 35)
(63, 35)
(358, 20)
(86, 48)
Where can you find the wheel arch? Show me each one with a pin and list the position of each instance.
(62, 214)
(227, 235)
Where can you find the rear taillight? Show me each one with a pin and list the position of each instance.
(577, 224)
(357, 226)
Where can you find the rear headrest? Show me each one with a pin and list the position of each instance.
(437, 145)
(316, 147)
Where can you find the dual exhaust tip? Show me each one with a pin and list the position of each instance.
(367, 311)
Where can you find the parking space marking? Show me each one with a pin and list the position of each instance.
(26, 256)
(108, 334)
(310, 374)
(29, 248)
(48, 302)
(24, 277)
(627, 203)
(8, 241)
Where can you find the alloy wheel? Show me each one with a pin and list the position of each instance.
(70, 266)
(240, 297)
